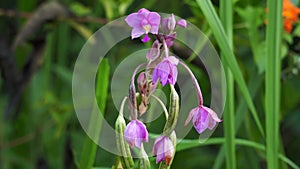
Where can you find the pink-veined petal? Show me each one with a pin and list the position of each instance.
(190, 116)
(173, 60)
(134, 20)
(137, 32)
(212, 113)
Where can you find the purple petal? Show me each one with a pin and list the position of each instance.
(170, 39)
(162, 72)
(154, 19)
(173, 60)
(164, 25)
(155, 76)
(172, 22)
(212, 123)
(155, 147)
(190, 116)
(212, 114)
(173, 74)
(163, 149)
(134, 20)
(137, 32)
(182, 23)
(135, 132)
(146, 38)
(144, 11)
(143, 131)
(199, 120)
(130, 133)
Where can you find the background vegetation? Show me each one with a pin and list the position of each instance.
(39, 44)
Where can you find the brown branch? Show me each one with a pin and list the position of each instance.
(26, 138)
(27, 15)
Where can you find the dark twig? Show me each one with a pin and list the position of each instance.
(82, 19)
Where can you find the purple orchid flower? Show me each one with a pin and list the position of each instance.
(143, 22)
(203, 118)
(135, 133)
(166, 71)
(163, 149)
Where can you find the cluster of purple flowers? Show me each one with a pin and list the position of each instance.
(160, 68)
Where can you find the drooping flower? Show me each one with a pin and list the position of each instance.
(166, 71)
(203, 118)
(143, 22)
(290, 15)
(163, 149)
(135, 132)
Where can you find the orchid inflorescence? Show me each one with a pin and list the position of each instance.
(159, 68)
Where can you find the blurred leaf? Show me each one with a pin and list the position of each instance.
(187, 144)
(109, 7)
(253, 16)
(83, 31)
(124, 4)
(88, 153)
(296, 31)
(79, 9)
(63, 73)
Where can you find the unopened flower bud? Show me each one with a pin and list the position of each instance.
(182, 23)
(173, 112)
(144, 162)
(123, 147)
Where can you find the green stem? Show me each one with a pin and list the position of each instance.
(162, 105)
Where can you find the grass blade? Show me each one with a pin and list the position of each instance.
(89, 150)
(226, 15)
(272, 101)
(255, 83)
(187, 144)
(219, 33)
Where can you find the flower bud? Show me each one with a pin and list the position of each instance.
(173, 112)
(144, 162)
(123, 148)
(182, 23)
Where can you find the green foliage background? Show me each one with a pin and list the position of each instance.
(45, 132)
